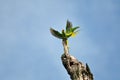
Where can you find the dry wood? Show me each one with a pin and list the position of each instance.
(76, 69)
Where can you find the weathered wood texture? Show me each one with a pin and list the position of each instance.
(77, 70)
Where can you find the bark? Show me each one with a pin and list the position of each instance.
(76, 69)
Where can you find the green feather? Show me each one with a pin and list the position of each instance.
(56, 33)
(75, 28)
(68, 26)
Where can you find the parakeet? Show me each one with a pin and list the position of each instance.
(70, 31)
(65, 34)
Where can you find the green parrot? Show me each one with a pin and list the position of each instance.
(65, 34)
(70, 31)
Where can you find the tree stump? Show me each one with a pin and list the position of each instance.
(77, 70)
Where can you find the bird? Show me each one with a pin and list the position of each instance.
(65, 34)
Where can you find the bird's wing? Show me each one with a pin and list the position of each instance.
(56, 33)
(75, 28)
(68, 26)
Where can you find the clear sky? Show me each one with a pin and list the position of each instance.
(29, 52)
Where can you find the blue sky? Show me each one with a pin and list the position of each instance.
(29, 52)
